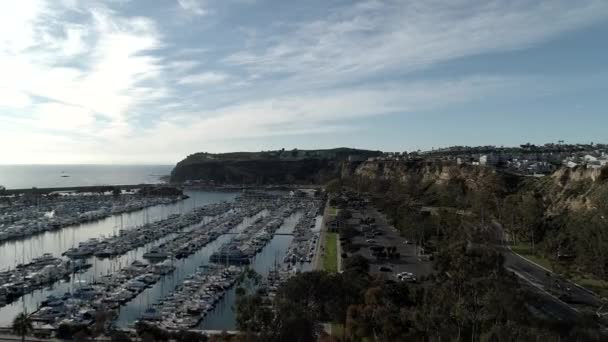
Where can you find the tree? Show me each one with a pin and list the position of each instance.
(22, 325)
(248, 281)
(120, 336)
(150, 332)
(72, 331)
(116, 192)
(356, 263)
(531, 211)
(189, 336)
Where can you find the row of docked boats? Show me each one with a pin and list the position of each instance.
(196, 296)
(115, 289)
(190, 241)
(248, 243)
(40, 272)
(200, 292)
(28, 215)
(241, 249)
(129, 239)
(108, 292)
(305, 237)
(301, 250)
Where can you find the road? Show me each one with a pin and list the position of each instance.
(558, 297)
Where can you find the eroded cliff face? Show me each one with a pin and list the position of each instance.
(565, 190)
(429, 173)
(565, 175)
(572, 189)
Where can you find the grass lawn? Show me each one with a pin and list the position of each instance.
(337, 330)
(596, 285)
(330, 258)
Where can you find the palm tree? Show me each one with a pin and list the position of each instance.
(22, 325)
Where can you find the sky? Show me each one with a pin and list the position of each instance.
(124, 82)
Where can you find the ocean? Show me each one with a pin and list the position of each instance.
(50, 176)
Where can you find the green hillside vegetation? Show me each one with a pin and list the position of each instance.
(268, 167)
(451, 210)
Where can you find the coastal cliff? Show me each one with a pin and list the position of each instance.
(269, 167)
(567, 189)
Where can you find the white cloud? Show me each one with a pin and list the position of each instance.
(58, 116)
(206, 78)
(13, 98)
(195, 7)
(311, 113)
(95, 66)
(374, 37)
(89, 83)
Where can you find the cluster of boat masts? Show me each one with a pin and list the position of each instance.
(189, 303)
(108, 292)
(192, 240)
(130, 239)
(192, 300)
(47, 269)
(27, 216)
(304, 243)
(41, 271)
(206, 287)
(250, 241)
(301, 250)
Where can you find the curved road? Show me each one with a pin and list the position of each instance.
(558, 297)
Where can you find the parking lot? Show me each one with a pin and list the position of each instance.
(403, 256)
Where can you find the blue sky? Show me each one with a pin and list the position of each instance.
(152, 81)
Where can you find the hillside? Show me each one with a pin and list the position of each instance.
(566, 189)
(266, 167)
(559, 219)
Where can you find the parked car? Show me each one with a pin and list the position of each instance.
(406, 276)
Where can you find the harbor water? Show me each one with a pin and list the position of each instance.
(56, 242)
(133, 310)
(222, 317)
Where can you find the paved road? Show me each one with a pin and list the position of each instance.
(550, 282)
(558, 297)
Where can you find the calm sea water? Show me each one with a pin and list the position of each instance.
(50, 176)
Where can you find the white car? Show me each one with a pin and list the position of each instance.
(406, 276)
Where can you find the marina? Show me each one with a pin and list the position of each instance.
(54, 243)
(138, 271)
(30, 214)
(129, 239)
(42, 271)
(34, 276)
(185, 307)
